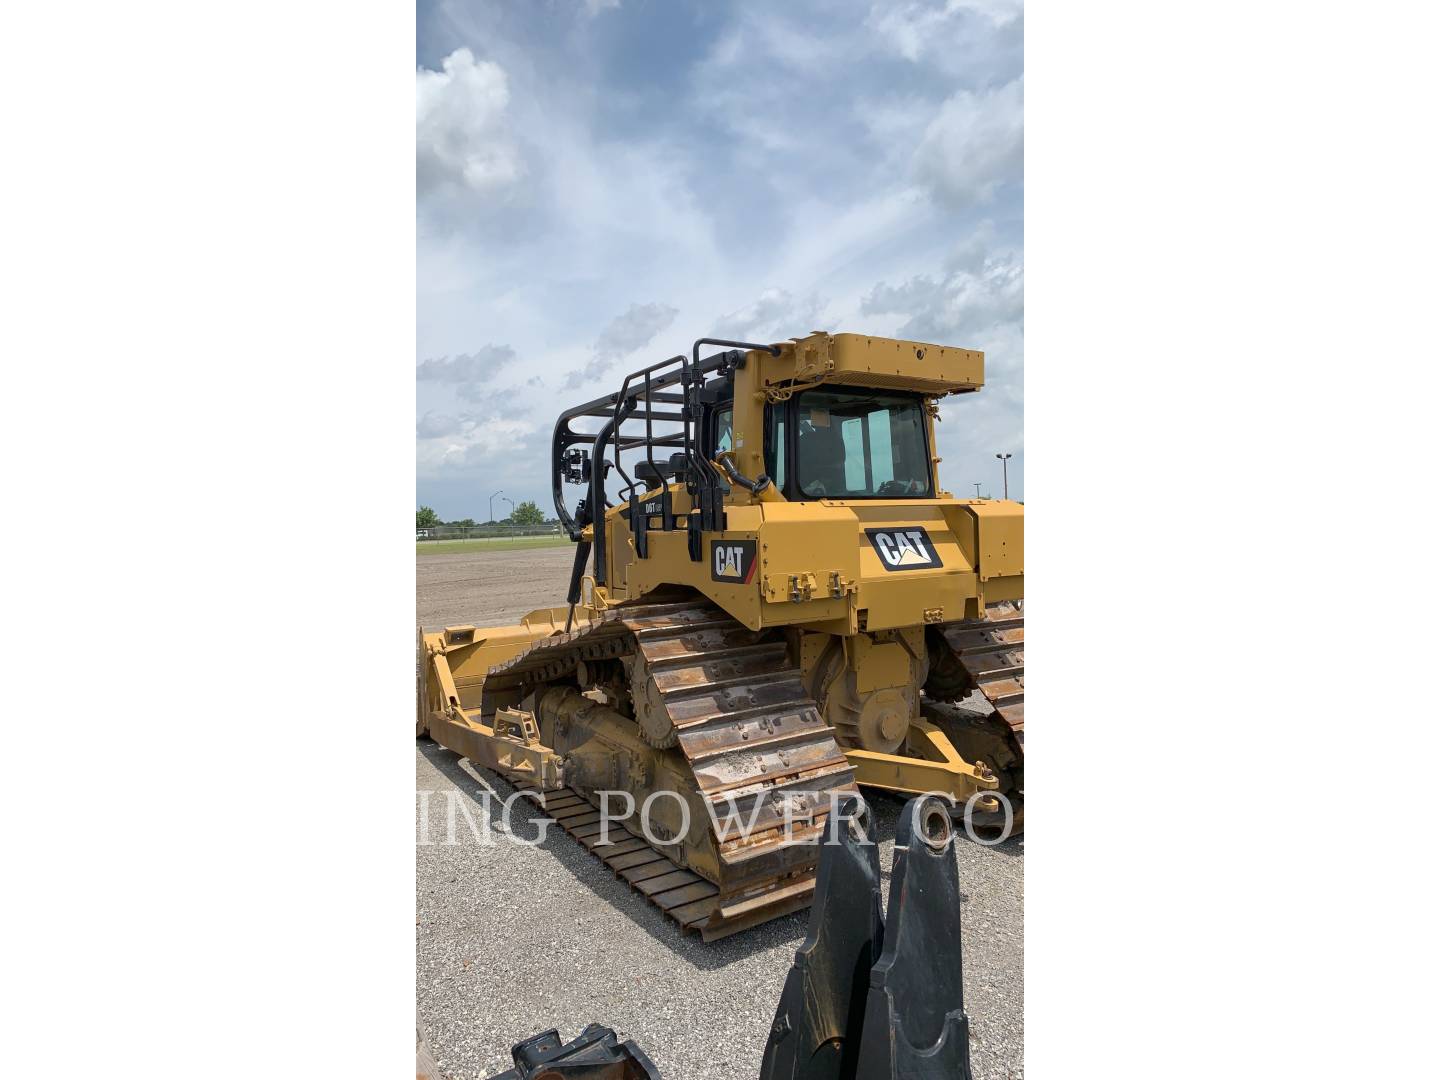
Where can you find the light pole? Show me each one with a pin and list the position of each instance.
(492, 504)
(977, 489)
(1005, 469)
(512, 504)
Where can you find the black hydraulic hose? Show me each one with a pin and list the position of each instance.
(597, 497)
(737, 477)
(577, 570)
(577, 573)
(705, 473)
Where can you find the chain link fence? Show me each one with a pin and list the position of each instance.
(485, 532)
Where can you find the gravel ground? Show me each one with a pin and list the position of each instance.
(491, 588)
(512, 939)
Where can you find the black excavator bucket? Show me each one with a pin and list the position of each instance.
(595, 1054)
(868, 997)
(873, 999)
(823, 1004)
(915, 1023)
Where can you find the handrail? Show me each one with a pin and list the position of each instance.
(627, 400)
(646, 385)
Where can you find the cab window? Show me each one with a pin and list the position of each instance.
(724, 434)
(860, 445)
(724, 439)
(775, 445)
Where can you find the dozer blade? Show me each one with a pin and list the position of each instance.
(823, 1002)
(915, 1024)
(595, 1054)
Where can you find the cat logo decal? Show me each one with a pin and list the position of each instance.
(732, 561)
(908, 548)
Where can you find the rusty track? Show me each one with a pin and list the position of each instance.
(987, 655)
(684, 896)
(992, 652)
(754, 743)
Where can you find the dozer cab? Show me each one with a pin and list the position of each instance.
(769, 583)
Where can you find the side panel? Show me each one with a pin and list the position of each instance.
(992, 534)
(898, 585)
(669, 563)
(839, 566)
(809, 563)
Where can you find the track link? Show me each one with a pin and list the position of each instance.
(987, 655)
(694, 903)
(754, 743)
(992, 652)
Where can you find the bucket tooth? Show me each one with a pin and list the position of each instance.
(872, 997)
(595, 1054)
(811, 1037)
(915, 1024)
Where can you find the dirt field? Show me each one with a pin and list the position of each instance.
(511, 939)
(489, 588)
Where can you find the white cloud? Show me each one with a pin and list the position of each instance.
(977, 303)
(635, 329)
(775, 315)
(435, 425)
(919, 26)
(625, 334)
(470, 441)
(980, 298)
(479, 366)
(865, 151)
(487, 396)
(974, 145)
(463, 140)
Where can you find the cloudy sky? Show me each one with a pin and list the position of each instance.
(600, 182)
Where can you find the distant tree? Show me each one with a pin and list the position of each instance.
(425, 518)
(464, 523)
(527, 513)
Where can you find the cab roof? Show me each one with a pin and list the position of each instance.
(883, 363)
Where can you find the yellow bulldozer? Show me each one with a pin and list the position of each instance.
(770, 595)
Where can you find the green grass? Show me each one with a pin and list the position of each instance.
(496, 543)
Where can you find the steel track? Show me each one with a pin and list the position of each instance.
(754, 743)
(992, 651)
